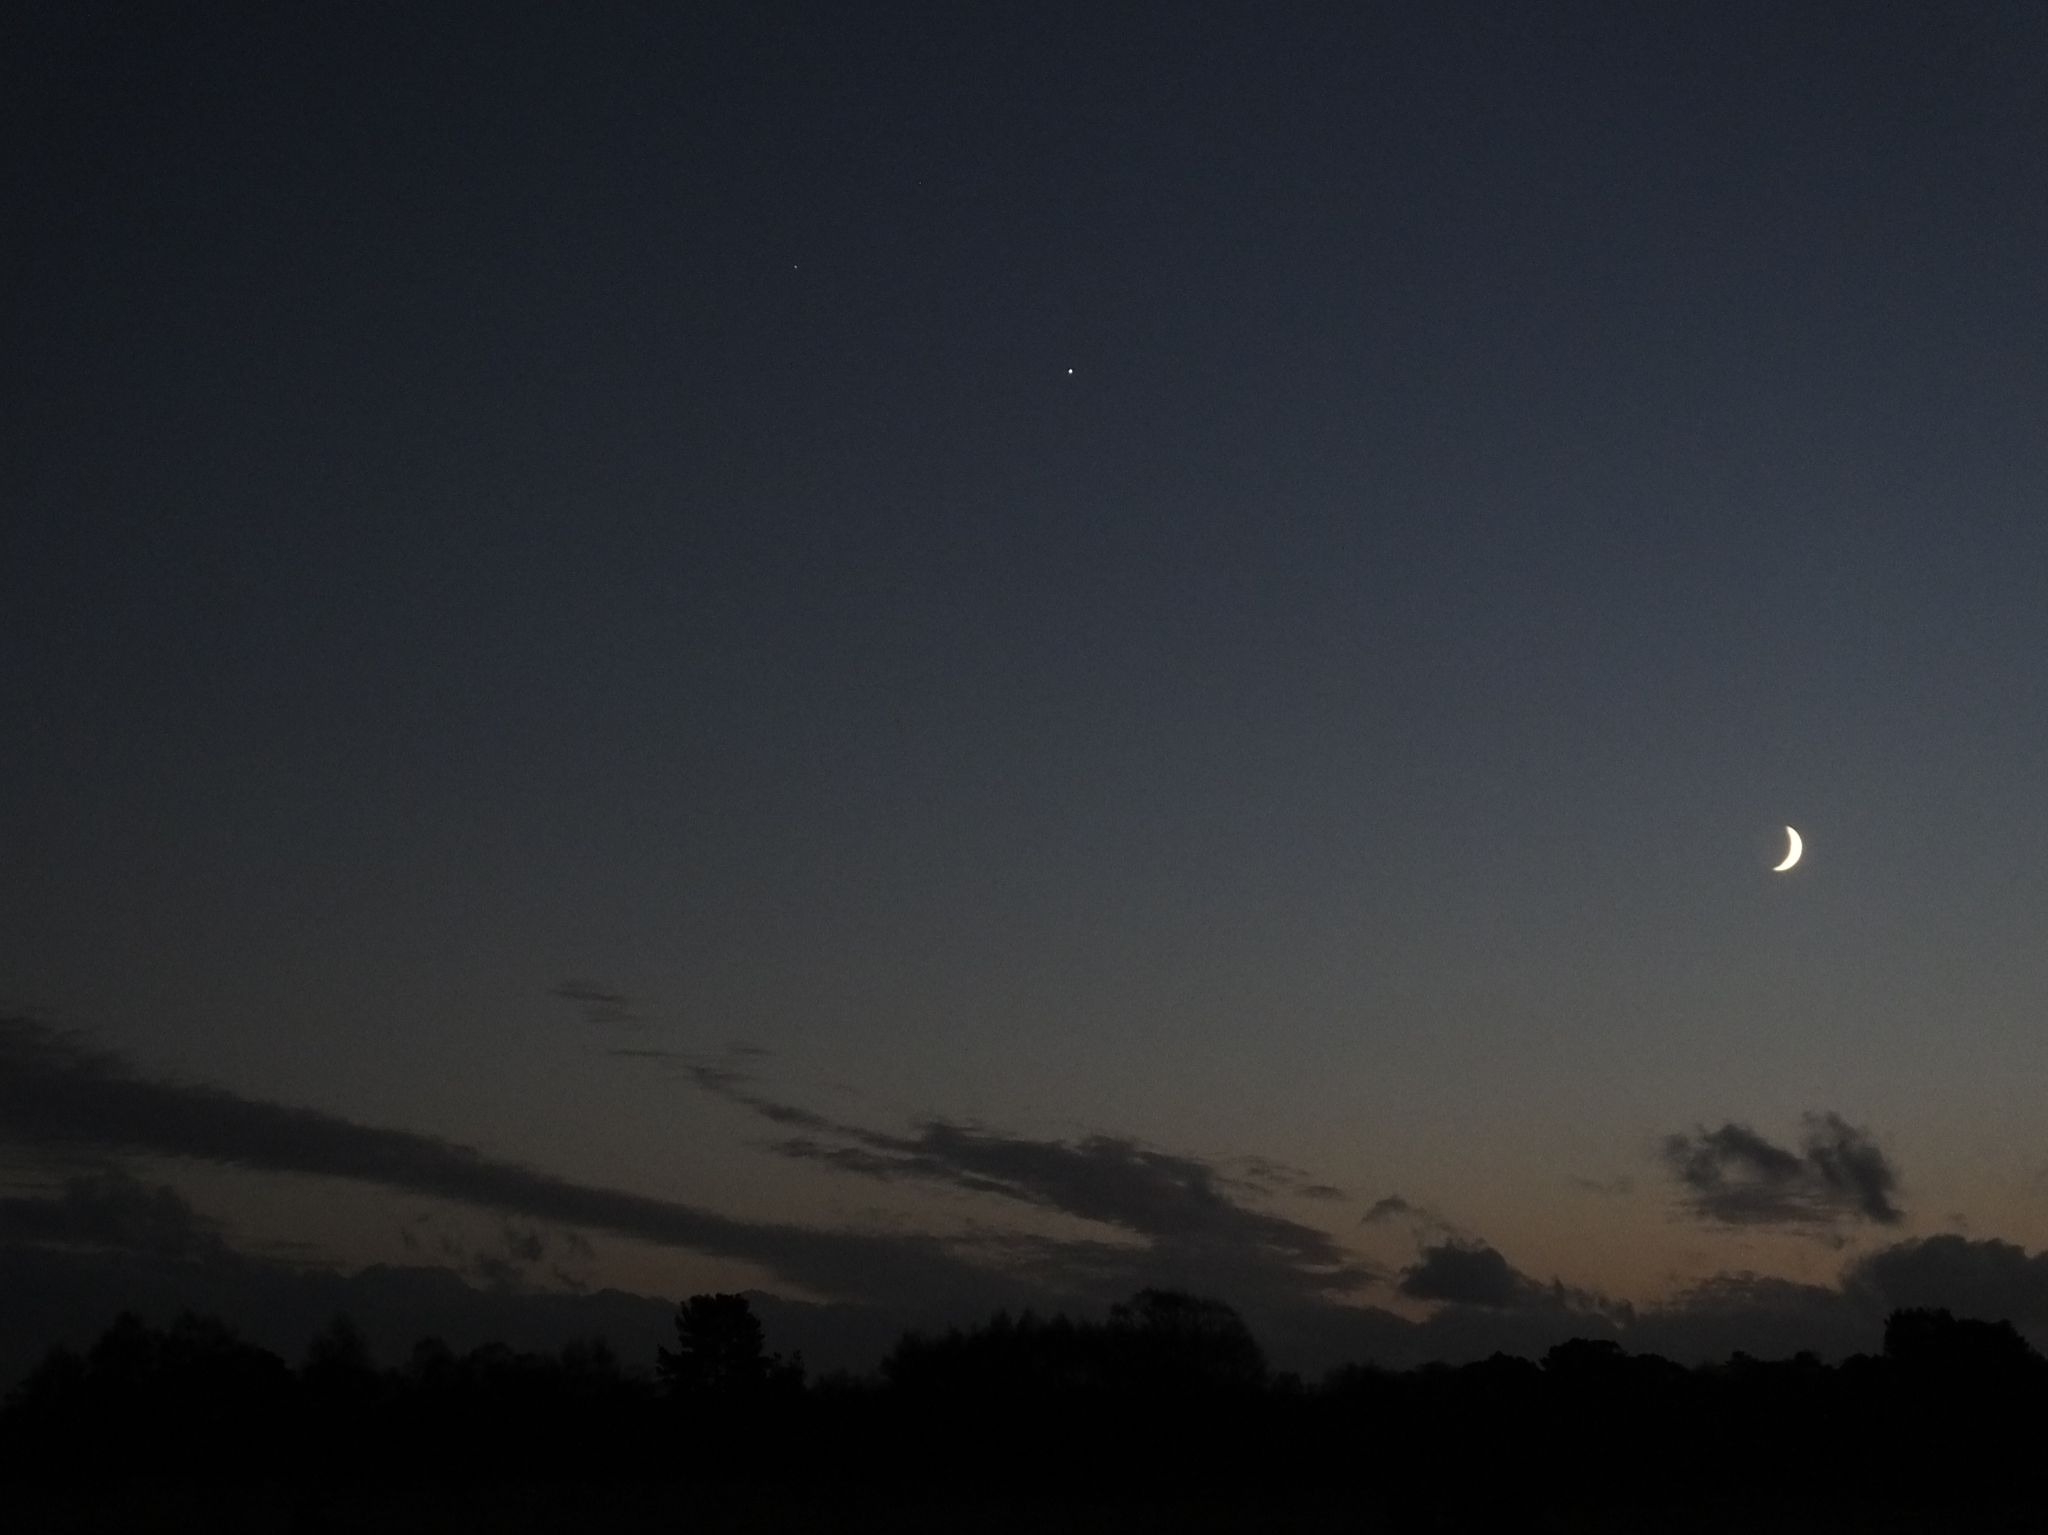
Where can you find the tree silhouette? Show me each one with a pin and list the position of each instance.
(339, 1353)
(1934, 1341)
(1165, 1404)
(720, 1352)
(1173, 1340)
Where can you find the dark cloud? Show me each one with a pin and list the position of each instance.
(1767, 1317)
(1462, 1334)
(1984, 1278)
(1736, 1177)
(1108, 1178)
(67, 1270)
(109, 1209)
(56, 1092)
(68, 1296)
(1194, 1220)
(1268, 1172)
(1423, 1223)
(299, 1253)
(1175, 1220)
(1484, 1305)
(509, 1258)
(737, 1086)
(1175, 1201)
(601, 1005)
(727, 1081)
(1387, 1209)
(1849, 1161)
(1179, 1203)
(1466, 1276)
(1267, 1175)
(861, 1161)
(713, 1073)
(787, 1114)
(497, 1271)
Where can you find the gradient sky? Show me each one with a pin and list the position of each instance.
(1184, 582)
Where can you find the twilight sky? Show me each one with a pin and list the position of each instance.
(925, 655)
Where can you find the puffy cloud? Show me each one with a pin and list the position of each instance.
(1736, 1177)
(1749, 1313)
(1467, 1276)
(1986, 1278)
(1982, 1279)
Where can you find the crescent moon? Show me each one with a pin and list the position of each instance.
(1792, 852)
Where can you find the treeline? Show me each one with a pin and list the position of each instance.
(1168, 1397)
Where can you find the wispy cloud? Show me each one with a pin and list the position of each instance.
(601, 1005)
(1266, 1174)
(1613, 1188)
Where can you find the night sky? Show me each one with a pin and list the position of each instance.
(938, 656)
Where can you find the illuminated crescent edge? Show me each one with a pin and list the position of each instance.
(1792, 852)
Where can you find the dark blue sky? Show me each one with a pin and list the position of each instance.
(1255, 582)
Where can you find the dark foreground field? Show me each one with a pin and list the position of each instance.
(529, 1510)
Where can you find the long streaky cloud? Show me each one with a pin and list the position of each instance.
(1183, 1205)
(56, 1091)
